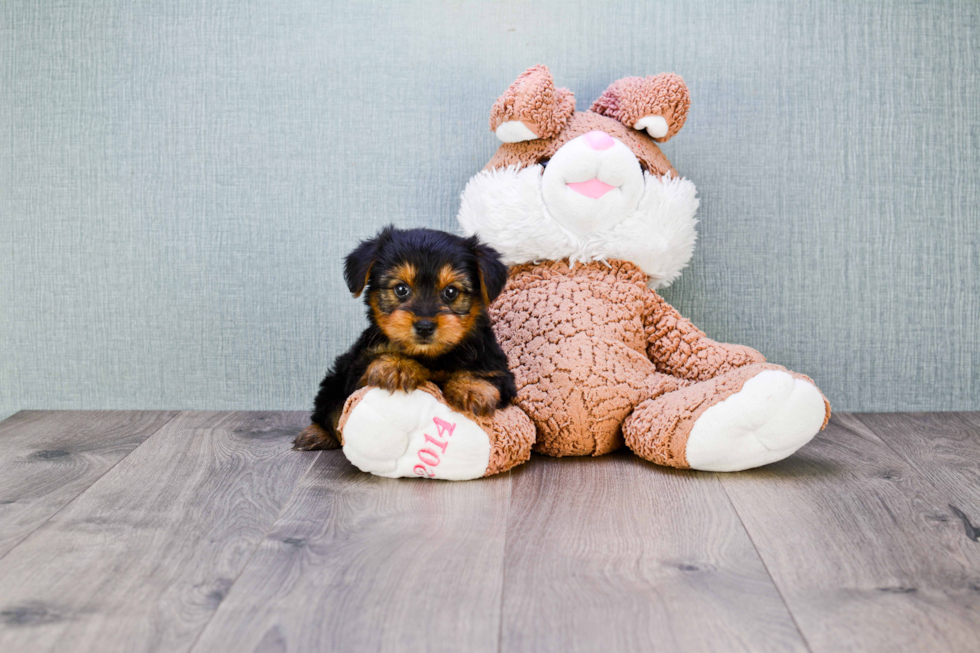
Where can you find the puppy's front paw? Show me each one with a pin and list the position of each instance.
(395, 373)
(315, 437)
(471, 394)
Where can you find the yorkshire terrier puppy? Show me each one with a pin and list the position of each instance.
(427, 297)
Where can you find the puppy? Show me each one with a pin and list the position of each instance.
(427, 298)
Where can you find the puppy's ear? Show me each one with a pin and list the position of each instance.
(358, 264)
(493, 273)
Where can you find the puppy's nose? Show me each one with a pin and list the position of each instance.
(599, 140)
(425, 328)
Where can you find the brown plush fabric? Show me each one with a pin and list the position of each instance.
(631, 98)
(511, 434)
(578, 341)
(510, 430)
(678, 347)
(534, 100)
(658, 429)
(582, 122)
(352, 401)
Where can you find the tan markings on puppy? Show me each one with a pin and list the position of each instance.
(484, 294)
(464, 308)
(467, 392)
(449, 331)
(367, 277)
(314, 437)
(396, 322)
(384, 298)
(452, 328)
(472, 315)
(448, 276)
(377, 309)
(393, 372)
(454, 321)
(404, 272)
(398, 326)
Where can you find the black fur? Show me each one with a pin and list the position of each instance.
(427, 251)
(493, 272)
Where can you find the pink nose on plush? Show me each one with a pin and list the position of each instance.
(599, 140)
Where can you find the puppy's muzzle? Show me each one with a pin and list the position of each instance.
(424, 328)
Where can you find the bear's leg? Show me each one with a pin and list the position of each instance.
(580, 394)
(398, 434)
(751, 416)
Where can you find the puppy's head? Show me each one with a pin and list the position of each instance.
(426, 289)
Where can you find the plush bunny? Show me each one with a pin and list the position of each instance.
(592, 218)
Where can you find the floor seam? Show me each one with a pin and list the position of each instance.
(758, 554)
(503, 563)
(888, 446)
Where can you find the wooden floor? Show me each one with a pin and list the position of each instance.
(137, 531)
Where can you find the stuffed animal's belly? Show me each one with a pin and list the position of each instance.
(579, 390)
(574, 339)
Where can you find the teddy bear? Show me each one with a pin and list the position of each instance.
(592, 219)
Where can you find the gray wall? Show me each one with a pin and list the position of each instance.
(179, 181)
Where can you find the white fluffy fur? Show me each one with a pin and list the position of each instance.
(385, 434)
(504, 207)
(771, 417)
(578, 161)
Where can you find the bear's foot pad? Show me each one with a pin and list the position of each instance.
(398, 434)
(772, 416)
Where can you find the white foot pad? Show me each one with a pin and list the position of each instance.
(398, 434)
(771, 417)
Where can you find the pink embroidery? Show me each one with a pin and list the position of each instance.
(444, 429)
(433, 458)
(439, 443)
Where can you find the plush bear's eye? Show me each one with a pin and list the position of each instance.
(544, 163)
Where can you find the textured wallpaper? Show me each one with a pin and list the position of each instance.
(180, 180)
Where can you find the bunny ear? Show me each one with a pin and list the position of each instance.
(531, 108)
(657, 104)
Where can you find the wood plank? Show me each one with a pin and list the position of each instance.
(944, 447)
(617, 554)
(47, 458)
(862, 547)
(141, 559)
(362, 563)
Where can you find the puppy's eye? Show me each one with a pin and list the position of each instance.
(402, 291)
(450, 293)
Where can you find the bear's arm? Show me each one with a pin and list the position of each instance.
(679, 348)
